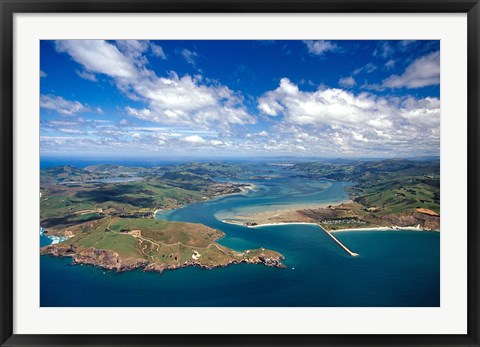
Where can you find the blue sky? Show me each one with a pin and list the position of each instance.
(239, 98)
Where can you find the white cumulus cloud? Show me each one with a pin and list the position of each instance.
(347, 82)
(98, 56)
(157, 51)
(356, 123)
(62, 106)
(424, 71)
(86, 75)
(189, 56)
(170, 99)
(320, 47)
(195, 139)
(368, 68)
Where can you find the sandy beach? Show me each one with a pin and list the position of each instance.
(266, 224)
(279, 214)
(244, 190)
(248, 187)
(386, 229)
(289, 214)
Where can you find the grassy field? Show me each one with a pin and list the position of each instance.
(401, 195)
(390, 192)
(162, 244)
(168, 232)
(70, 195)
(389, 186)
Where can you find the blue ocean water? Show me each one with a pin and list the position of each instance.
(394, 268)
(82, 162)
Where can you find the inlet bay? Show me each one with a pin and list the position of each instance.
(394, 268)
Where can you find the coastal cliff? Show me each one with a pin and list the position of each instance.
(110, 260)
(123, 244)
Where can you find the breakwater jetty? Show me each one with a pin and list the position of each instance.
(345, 248)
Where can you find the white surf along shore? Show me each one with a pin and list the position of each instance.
(244, 219)
(386, 229)
(55, 239)
(254, 220)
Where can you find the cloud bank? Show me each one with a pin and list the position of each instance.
(185, 100)
(362, 123)
(176, 114)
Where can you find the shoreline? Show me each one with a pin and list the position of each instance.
(266, 224)
(55, 239)
(158, 210)
(291, 214)
(266, 216)
(385, 228)
(244, 190)
(281, 223)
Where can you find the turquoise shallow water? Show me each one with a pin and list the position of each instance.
(395, 268)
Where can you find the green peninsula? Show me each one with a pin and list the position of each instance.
(387, 193)
(124, 244)
(106, 213)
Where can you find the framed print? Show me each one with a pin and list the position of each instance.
(239, 173)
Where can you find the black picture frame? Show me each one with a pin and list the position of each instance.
(10, 7)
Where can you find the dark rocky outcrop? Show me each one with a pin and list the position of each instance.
(112, 261)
